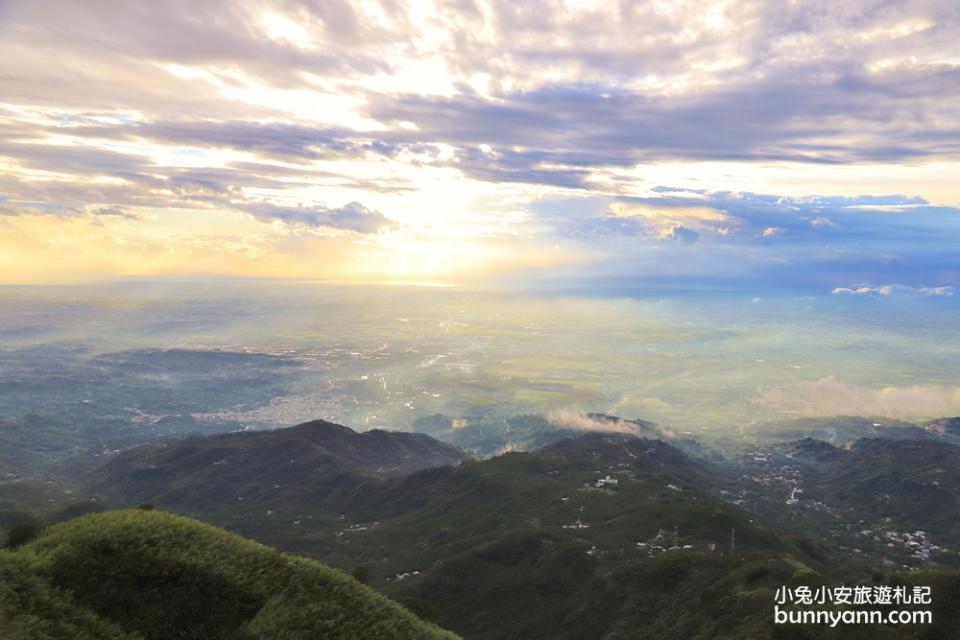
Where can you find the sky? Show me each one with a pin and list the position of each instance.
(796, 146)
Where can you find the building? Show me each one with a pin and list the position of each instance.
(606, 482)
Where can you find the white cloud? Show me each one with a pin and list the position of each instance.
(577, 420)
(822, 221)
(829, 396)
(894, 290)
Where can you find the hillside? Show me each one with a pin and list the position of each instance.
(915, 484)
(945, 426)
(125, 575)
(528, 545)
(200, 474)
(596, 536)
(870, 497)
(840, 430)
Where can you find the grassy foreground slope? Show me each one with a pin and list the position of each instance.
(153, 575)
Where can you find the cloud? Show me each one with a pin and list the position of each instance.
(76, 160)
(475, 120)
(16, 208)
(681, 234)
(757, 242)
(284, 140)
(556, 98)
(352, 216)
(823, 221)
(112, 211)
(797, 219)
(665, 207)
(810, 116)
(894, 290)
(829, 396)
(578, 420)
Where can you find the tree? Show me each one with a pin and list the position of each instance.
(361, 574)
(22, 534)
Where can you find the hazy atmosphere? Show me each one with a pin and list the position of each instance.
(383, 356)
(479, 319)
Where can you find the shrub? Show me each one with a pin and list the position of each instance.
(22, 534)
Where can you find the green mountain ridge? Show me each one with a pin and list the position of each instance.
(914, 483)
(265, 466)
(840, 430)
(893, 503)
